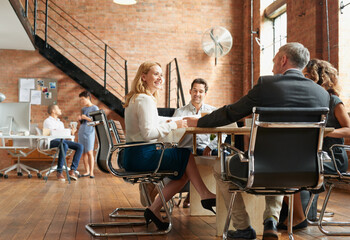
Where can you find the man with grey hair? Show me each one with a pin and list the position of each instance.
(286, 88)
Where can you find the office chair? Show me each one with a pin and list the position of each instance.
(330, 181)
(284, 155)
(42, 147)
(19, 152)
(106, 164)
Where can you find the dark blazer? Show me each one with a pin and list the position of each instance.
(291, 89)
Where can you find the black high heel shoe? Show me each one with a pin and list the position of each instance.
(150, 217)
(209, 204)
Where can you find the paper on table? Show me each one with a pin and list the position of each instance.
(164, 119)
(174, 136)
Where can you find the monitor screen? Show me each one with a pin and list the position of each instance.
(14, 118)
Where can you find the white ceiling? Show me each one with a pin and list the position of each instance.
(12, 32)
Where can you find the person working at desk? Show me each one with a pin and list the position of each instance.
(54, 123)
(287, 88)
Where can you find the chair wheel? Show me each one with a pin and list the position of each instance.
(1, 175)
(20, 174)
(39, 175)
(6, 176)
(45, 178)
(29, 175)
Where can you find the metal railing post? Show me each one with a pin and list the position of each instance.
(26, 9)
(179, 84)
(105, 74)
(35, 14)
(46, 21)
(126, 78)
(169, 81)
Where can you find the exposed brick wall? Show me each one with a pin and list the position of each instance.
(161, 30)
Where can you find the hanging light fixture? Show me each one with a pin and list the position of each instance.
(125, 2)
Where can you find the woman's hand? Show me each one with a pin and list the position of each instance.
(181, 123)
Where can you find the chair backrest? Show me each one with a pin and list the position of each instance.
(117, 131)
(284, 147)
(104, 138)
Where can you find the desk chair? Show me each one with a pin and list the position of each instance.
(42, 147)
(284, 155)
(105, 163)
(331, 180)
(20, 152)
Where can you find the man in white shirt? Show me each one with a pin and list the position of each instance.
(54, 123)
(198, 92)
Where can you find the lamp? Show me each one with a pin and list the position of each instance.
(125, 2)
(2, 97)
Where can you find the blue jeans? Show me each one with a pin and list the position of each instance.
(71, 145)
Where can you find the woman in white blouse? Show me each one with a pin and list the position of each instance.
(142, 124)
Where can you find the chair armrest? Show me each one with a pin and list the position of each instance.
(94, 123)
(224, 148)
(346, 148)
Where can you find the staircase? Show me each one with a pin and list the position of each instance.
(84, 57)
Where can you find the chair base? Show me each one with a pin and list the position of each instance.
(321, 223)
(115, 213)
(48, 171)
(90, 228)
(19, 167)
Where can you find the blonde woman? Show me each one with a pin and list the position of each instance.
(142, 124)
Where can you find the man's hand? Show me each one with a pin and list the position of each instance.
(207, 151)
(181, 123)
(191, 121)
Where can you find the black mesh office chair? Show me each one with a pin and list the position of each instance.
(106, 164)
(330, 181)
(284, 155)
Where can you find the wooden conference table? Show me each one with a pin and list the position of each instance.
(255, 205)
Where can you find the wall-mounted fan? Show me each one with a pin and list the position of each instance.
(217, 41)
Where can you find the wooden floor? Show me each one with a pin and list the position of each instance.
(33, 209)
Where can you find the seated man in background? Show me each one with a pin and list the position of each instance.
(54, 123)
(198, 92)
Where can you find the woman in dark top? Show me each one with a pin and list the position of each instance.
(324, 74)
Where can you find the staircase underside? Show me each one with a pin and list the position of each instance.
(80, 76)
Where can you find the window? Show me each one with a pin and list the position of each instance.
(273, 32)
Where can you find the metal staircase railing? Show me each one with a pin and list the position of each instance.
(174, 85)
(78, 44)
(62, 35)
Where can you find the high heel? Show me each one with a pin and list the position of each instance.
(209, 204)
(150, 217)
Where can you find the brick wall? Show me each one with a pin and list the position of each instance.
(161, 30)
